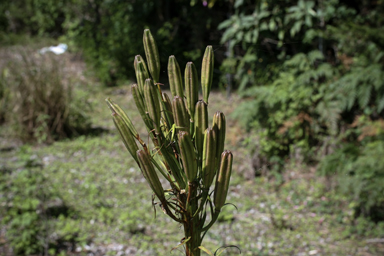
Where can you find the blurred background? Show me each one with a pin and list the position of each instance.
(302, 87)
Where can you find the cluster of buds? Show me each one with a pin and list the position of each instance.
(187, 152)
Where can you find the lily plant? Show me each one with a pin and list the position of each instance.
(187, 153)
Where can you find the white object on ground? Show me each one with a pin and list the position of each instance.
(59, 49)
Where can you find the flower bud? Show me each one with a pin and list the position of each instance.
(191, 87)
(209, 157)
(152, 55)
(180, 114)
(188, 155)
(174, 76)
(201, 124)
(153, 104)
(207, 72)
(222, 180)
(150, 174)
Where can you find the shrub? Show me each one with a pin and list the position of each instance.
(360, 170)
(305, 95)
(44, 107)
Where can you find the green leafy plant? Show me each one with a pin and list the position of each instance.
(310, 77)
(187, 153)
(295, 111)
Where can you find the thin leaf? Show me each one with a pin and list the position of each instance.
(184, 241)
(223, 248)
(205, 250)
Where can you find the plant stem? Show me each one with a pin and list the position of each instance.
(192, 224)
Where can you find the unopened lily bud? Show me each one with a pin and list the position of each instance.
(207, 72)
(188, 155)
(152, 55)
(180, 114)
(141, 72)
(126, 136)
(167, 112)
(116, 109)
(201, 124)
(219, 124)
(209, 157)
(191, 87)
(222, 179)
(150, 174)
(152, 102)
(174, 76)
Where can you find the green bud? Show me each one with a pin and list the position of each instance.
(126, 135)
(168, 108)
(141, 72)
(174, 76)
(207, 72)
(209, 157)
(219, 125)
(116, 109)
(152, 55)
(140, 104)
(188, 155)
(201, 124)
(153, 104)
(222, 180)
(180, 114)
(150, 174)
(191, 87)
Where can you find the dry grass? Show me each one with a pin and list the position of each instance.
(42, 106)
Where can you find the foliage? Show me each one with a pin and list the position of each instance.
(34, 17)
(31, 206)
(297, 110)
(41, 95)
(314, 76)
(104, 31)
(316, 70)
(360, 169)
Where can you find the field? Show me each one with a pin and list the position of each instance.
(91, 198)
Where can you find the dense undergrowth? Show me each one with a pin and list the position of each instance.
(312, 76)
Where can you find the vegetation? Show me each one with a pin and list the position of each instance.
(305, 126)
(106, 31)
(187, 152)
(321, 72)
(38, 100)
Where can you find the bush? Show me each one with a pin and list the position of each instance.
(360, 170)
(296, 112)
(304, 96)
(42, 106)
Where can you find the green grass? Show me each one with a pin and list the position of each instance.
(111, 204)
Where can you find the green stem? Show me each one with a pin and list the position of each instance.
(213, 220)
(192, 223)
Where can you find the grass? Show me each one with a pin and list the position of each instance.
(111, 204)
